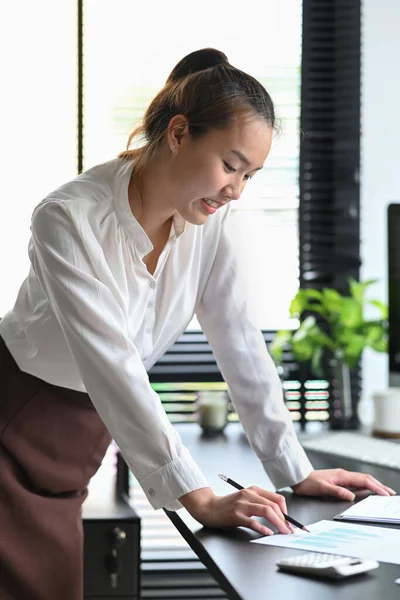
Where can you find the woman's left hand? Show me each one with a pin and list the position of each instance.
(334, 482)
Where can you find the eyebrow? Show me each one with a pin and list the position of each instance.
(244, 160)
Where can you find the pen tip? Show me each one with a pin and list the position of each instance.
(222, 476)
(305, 529)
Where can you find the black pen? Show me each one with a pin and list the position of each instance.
(240, 487)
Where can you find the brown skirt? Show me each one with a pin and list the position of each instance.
(52, 441)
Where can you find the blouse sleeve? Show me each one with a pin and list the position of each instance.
(252, 379)
(111, 369)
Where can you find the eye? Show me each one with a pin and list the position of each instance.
(229, 168)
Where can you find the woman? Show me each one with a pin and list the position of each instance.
(121, 259)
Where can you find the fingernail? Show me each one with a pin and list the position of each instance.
(392, 491)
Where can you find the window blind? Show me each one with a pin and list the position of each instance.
(190, 365)
(329, 228)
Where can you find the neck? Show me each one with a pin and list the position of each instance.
(148, 199)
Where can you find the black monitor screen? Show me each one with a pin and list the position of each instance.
(394, 292)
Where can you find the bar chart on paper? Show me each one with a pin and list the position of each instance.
(363, 541)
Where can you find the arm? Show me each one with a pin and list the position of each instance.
(255, 388)
(111, 369)
(246, 366)
(93, 325)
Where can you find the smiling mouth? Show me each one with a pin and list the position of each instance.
(212, 203)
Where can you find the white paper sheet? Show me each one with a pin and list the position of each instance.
(345, 539)
(375, 508)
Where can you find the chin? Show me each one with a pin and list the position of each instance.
(198, 221)
(195, 217)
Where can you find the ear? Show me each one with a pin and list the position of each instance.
(178, 128)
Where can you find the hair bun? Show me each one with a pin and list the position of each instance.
(197, 61)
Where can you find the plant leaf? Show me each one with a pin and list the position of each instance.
(313, 293)
(303, 349)
(304, 329)
(278, 344)
(316, 362)
(357, 288)
(351, 313)
(298, 304)
(331, 300)
(344, 333)
(374, 333)
(381, 345)
(353, 350)
(321, 338)
(382, 307)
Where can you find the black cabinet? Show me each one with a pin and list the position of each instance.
(111, 550)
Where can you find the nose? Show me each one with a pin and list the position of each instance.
(234, 191)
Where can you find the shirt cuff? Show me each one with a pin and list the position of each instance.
(164, 486)
(290, 467)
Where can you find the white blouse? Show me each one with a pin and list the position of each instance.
(90, 317)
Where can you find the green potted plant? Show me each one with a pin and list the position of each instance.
(333, 328)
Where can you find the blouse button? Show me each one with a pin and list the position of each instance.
(153, 285)
(148, 330)
(151, 492)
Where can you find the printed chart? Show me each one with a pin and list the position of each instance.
(364, 541)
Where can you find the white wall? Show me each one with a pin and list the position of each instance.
(37, 122)
(380, 155)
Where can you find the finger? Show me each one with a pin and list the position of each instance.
(380, 489)
(253, 496)
(390, 491)
(362, 481)
(337, 491)
(276, 501)
(256, 526)
(382, 486)
(290, 526)
(268, 512)
(272, 496)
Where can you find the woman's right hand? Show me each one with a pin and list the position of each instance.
(238, 509)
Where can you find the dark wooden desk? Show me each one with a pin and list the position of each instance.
(248, 571)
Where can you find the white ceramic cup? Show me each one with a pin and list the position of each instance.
(212, 411)
(386, 413)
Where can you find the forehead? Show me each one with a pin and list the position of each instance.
(247, 133)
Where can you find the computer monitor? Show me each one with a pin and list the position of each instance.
(393, 229)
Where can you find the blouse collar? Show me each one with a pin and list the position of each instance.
(125, 215)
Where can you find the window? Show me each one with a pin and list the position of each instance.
(129, 50)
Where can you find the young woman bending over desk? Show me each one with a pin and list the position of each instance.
(122, 257)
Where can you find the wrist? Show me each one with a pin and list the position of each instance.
(197, 501)
(297, 485)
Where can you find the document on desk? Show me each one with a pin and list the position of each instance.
(362, 541)
(375, 509)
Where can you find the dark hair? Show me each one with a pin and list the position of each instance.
(209, 91)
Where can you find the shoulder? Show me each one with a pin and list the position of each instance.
(92, 188)
(88, 200)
